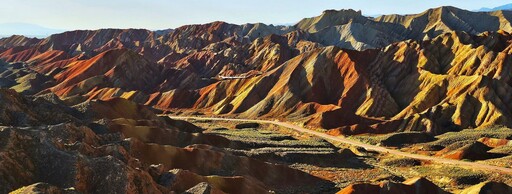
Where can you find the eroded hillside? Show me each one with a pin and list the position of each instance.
(89, 98)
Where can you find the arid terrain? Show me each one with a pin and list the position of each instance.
(337, 103)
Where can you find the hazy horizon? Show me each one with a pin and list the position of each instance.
(161, 14)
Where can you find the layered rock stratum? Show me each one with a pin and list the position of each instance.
(88, 97)
(118, 146)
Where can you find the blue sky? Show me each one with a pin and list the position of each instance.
(161, 14)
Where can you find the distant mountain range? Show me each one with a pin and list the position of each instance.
(503, 7)
(29, 30)
(383, 61)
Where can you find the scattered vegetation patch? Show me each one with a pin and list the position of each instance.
(451, 175)
(247, 125)
(504, 161)
(456, 140)
(250, 138)
(473, 135)
(470, 151)
(502, 150)
(395, 139)
(369, 139)
(401, 162)
(431, 147)
(405, 138)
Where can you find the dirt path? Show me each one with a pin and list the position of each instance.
(369, 147)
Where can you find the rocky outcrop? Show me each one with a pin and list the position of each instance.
(120, 68)
(414, 185)
(190, 38)
(489, 188)
(442, 70)
(78, 160)
(18, 41)
(457, 80)
(495, 142)
(16, 110)
(408, 86)
(201, 188)
(436, 21)
(350, 29)
(182, 61)
(472, 151)
(41, 188)
(16, 76)
(118, 146)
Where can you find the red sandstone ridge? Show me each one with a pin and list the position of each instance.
(82, 104)
(405, 86)
(382, 89)
(120, 68)
(432, 86)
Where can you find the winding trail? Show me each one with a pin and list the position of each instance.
(369, 147)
